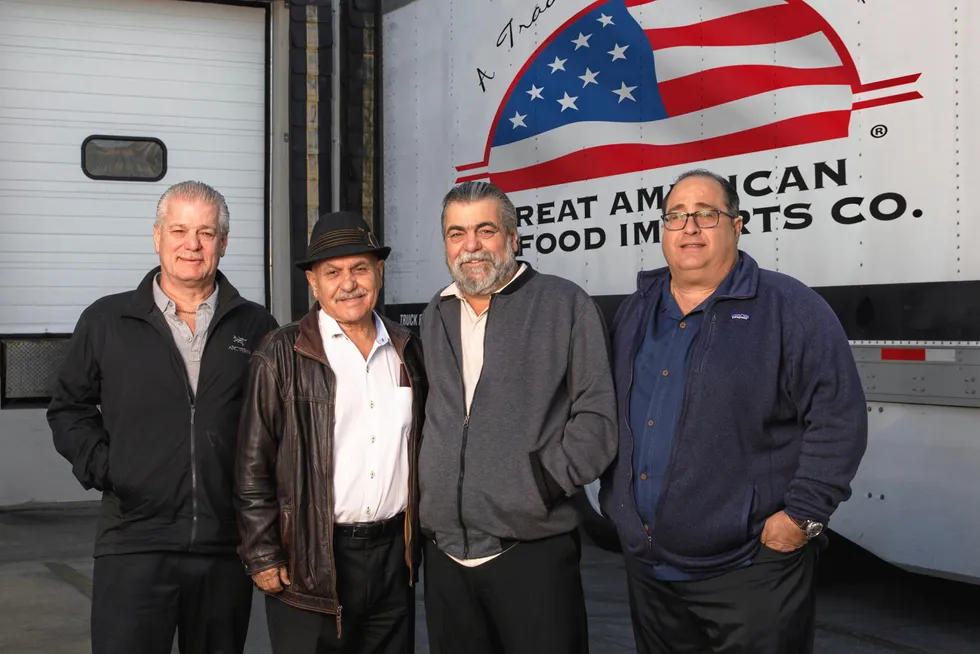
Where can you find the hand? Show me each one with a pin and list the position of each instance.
(271, 580)
(782, 534)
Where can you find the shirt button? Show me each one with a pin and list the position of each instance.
(649, 423)
(646, 527)
(372, 404)
(683, 325)
(368, 511)
(367, 368)
(372, 474)
(664, 373)
(643, 476)
(372, 439)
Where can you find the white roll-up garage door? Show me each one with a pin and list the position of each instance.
(148, 87)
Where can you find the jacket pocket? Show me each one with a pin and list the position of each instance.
(550, 490)
(286, 527)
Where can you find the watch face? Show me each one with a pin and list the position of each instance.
(813, 529)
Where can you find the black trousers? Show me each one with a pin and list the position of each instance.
(379, 604)
(528, 600)
(766, 608)
(140, 600)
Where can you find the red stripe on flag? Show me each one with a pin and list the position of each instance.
(717, 86)
(890, 99)
(472, 178)
(624, 158)
(762, 26)
(886, 83)
(637, 3)
(478, 164)
(903, 354)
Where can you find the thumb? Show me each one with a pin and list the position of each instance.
(284, 575)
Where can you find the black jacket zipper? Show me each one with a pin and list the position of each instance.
(192, 400)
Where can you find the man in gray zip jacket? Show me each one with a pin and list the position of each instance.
(521, 413)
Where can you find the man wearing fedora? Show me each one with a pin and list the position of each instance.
(326, 470)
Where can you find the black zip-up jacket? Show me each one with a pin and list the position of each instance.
(124, 416)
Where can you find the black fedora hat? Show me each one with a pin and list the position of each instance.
(341, 234)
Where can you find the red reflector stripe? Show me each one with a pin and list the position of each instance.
(903, 354)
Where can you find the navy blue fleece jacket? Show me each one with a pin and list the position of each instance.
(773, 418)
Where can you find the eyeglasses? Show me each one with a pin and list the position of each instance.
(703, 218)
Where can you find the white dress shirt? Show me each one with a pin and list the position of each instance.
(373, 419)
(473, 331)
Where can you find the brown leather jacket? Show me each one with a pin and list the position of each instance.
(284, 469)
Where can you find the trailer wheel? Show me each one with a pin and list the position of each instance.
(596, 526)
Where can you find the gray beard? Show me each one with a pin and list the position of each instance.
(502, 269)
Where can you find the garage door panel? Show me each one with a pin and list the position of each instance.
(203, 160)
(138, 13)
(90, 65)
(101, 122)
(191, 74)
(222, 179)
(134, 102)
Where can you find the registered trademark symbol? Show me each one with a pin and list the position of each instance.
(878, 131)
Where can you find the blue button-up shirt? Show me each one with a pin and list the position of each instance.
(657, 396)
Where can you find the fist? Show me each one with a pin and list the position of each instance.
(782, 534)
(272, 580)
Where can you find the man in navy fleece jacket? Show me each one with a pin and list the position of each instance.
(742, 423)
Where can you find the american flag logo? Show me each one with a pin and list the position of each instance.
(631, 85)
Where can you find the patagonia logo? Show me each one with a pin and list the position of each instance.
(740, 316)
(238, 345)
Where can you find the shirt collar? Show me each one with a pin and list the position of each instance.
(667, 298)
(166, 305)
(330, 328)
(452, 289)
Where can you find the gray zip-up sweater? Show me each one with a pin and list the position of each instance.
(542, 422)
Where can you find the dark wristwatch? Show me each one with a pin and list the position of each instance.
(810, 528)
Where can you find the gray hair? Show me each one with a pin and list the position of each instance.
(469, 192)
(729, 190)
(191, 191)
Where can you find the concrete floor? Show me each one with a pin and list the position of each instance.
(865, 606)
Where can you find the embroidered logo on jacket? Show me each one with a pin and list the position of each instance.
(238, 345)
(740, 316)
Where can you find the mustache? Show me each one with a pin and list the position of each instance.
(470, 257)
(351, 295)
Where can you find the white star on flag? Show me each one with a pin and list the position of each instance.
(568, 103)
(558, 65)
(619, 52)
(589, 78)
(535, 93)
(625, 92)
(605, 20)
(582, 41)
(518, 120)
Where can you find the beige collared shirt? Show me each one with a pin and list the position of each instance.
(190, 344)
(473, 330)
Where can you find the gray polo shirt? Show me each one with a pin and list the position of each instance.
(190, 344)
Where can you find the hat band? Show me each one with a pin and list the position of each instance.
(341, 237)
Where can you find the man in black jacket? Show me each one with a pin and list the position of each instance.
(146, 410)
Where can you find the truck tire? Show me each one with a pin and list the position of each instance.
(596, 526)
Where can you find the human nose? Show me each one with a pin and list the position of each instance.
(192, 241)
(347, 282)
(691, 227)
(471, 242)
